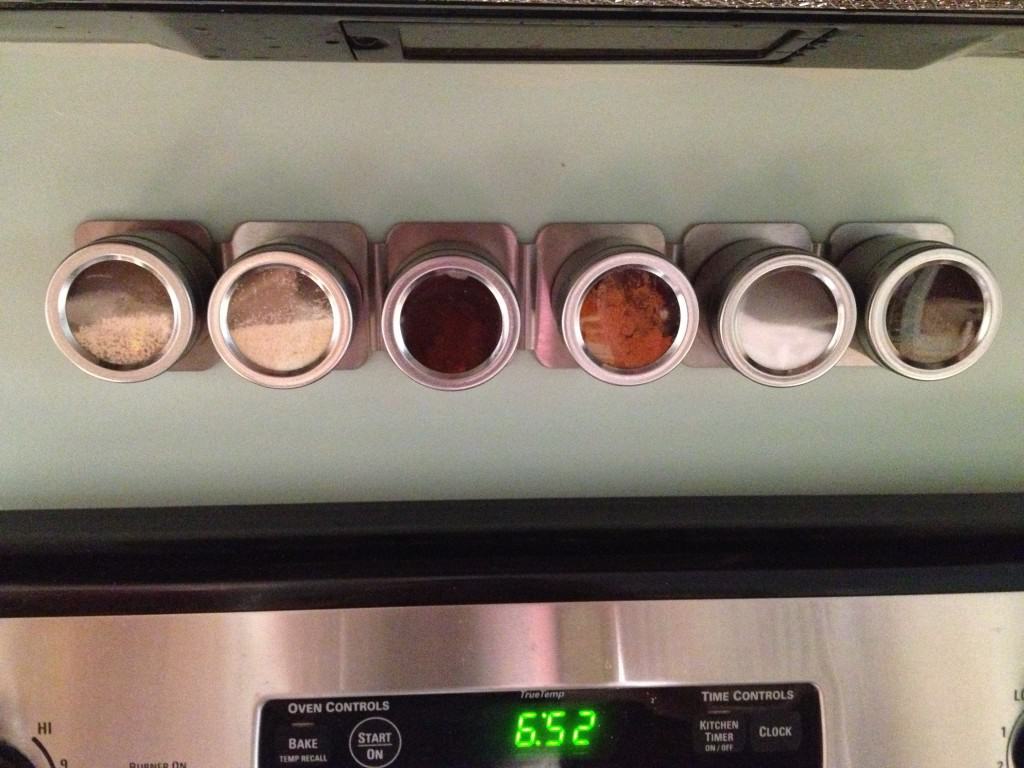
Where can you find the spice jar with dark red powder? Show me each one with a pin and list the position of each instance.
(451, 319)
(627, 314)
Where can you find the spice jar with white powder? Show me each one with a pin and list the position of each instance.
(284, 313)
(127, 307)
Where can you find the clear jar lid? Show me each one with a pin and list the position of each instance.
(123, 309)
(280, 320)
(933, 312)
(282, 316)
(451, 322)
(786, 321)
(786, 317)
(628, 315)
(120, 314)
(935, 315)
(451, 319)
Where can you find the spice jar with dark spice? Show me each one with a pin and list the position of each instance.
(451, 319)
(628, 315)
(451, 322)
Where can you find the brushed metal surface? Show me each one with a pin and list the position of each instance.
(825, 5)
(406, 239)
(905, 681)
(846, 237)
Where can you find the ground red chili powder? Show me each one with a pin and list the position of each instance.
(629, 319)
(451, 323)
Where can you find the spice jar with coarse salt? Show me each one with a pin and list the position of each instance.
(129, 305)
(285, 313)
(451, 317)
(779, 314)
(928, 309)
(627, 315)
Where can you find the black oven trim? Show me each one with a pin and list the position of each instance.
(166, 560)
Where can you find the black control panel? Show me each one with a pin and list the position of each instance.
(725, 726)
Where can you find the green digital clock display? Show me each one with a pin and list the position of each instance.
(552, 729)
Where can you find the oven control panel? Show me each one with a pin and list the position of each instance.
(735, 683)
(727, 726)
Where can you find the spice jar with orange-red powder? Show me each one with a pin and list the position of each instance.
(627, 314)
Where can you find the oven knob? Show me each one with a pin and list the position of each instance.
(12, 758)
(1016, 750)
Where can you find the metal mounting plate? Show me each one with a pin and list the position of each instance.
(846, 237)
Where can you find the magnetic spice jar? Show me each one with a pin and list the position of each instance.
(128, 307)
(928, 310)
(626, 313)
(779, 315)
(283, 314)
(451, 319)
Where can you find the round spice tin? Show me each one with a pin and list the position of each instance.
(126, 308)
(928, 310)
(451, 319)
(780, 316)
(627, 314)
(283, 314)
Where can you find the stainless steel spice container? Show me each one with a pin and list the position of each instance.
(627, 314)
(283, 314)
(779, 315)
(127, 307)
(928, 310)
(451, 319)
